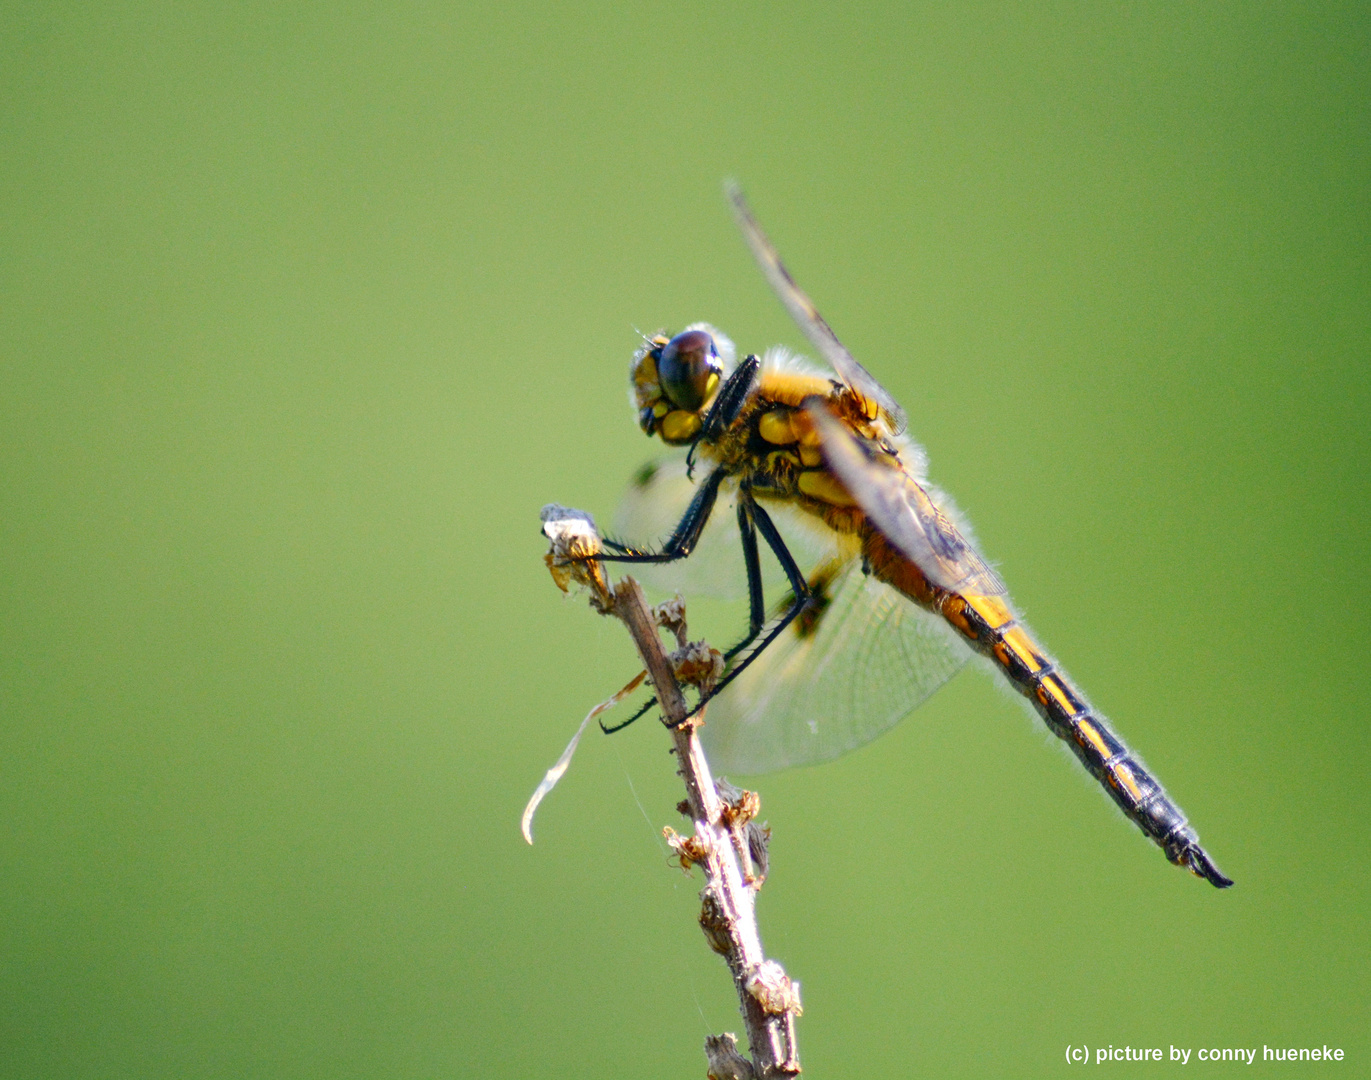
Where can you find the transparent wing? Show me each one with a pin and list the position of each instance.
(653, 505)
(807, 316)
(897, 505)
(811, 696)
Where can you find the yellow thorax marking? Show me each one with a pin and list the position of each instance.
(790, 388)
(821, 485)
(776, 426)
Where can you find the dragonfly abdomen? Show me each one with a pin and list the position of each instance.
(989, 624)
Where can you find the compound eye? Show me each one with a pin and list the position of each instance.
(688, 369)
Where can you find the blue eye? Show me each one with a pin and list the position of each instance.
(688, 369)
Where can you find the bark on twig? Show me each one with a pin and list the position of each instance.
(728, 846)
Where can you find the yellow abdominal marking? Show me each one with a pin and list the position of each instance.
(990, 608)
(1016, 641)
(1087, 729)
(1049, 685)
(1125, 776)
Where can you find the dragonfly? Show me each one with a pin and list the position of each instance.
(887, 594)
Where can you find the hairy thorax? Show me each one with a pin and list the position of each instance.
(773, 449)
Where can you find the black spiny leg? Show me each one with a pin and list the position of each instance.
(683, 538)
(678, 546)
(751, 516)
(799, 589)
(755, 598)
(727, 405)
(747, 531)
(620, 727)
(798, 586)
(731, 398)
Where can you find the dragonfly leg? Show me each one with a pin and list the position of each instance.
(751, 519)
(800, 592)
(731, 399)
(727, 405)
(683, 538)
(798, 586)
(620, 727)
(756, 599)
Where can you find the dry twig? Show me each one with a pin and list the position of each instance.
(728, 845)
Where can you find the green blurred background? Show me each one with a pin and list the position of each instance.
(305, 311)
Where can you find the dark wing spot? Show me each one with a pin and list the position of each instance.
(807, 622)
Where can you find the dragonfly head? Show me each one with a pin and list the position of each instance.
(673, 380)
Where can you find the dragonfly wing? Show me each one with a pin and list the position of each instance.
(812, 696)
(807, 316)
(899, 506)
